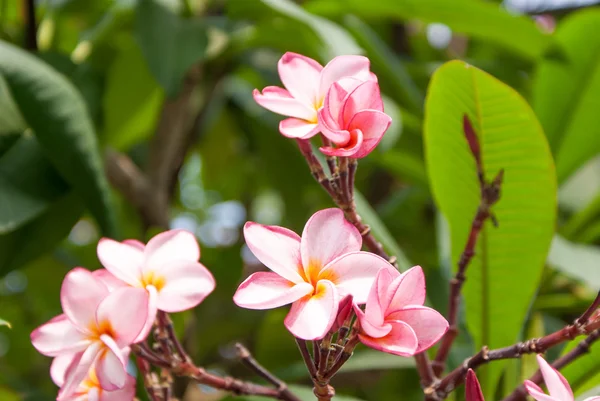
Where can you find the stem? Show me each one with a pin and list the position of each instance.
(310, 365)
(331, 160)
(30, 25)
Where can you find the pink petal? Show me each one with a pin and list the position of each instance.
(135, 243)
(280, 101)
(151, 314)
(365, 96)
(311, 317)
(108, 279)
(123, 260)
(125, 394)
(401, 340)
(354, 273)
(356, 67)
(326, 236)
(110, 366)
(80, 370)
(406, 289)
(126, 310)
(372, 124)
(169, 246)
(345, 309)
(536, 392)
(276, 247)
(558, 386)
(329, 115)
(377, 302)
(597, 398)
(80, 295)
(428, 324)
(350, 149)
(472, 387)
(187, 283)
(266, 290)
(300, 75)
(59, 336)
(295, 128)
(370, 326)
(60, 366)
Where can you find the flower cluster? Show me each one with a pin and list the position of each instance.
(322, 269)
(108, 310)
(341, 100)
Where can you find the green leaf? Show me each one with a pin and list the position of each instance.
(336, 41)
(131, 101)
(581, 262)
(483, 20)
(511, 139)
(565, 95)
(40, 235)
(583, 370)
(4, 323)
(170, 44)
(11, 119)
(28, 184)
(55, 112)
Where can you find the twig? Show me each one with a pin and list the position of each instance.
(331, 160)
(310, 365)
(490, 194)
(30, 25)
(520, 393)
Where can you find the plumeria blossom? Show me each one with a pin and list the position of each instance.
(313, 272)
(352, 118)
(558, 386)
(95, 331)
(167, 267)
(306, 83)
(472, 387)
(89, 389)
(395, 320)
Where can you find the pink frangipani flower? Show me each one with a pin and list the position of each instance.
(167, 267)
(395, 320)
(558, 386)
(352, 118)
(96, 329)
(313, 273)
(306, 83)
(89, 389)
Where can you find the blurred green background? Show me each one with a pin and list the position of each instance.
(159, 92)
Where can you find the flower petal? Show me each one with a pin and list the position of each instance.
(266, 290)
(108, 279)
(59, 367)
(557, 385)
(135, 243)
(428, 324)
(597, 398)
(472, 387)
(125, 394)
(401, 340)
(369, 327)
(350, 149)
(80, 295)
(329, 115)
(280, 101)
(169, 246)
(123, 260)
(125, 310)
(406, 289)
(326, 236)
(111, 365)
(536, 392)
(356, 67)
(276, 247)
(365, 96)
(372, 124)
(354, 273)
(295, 128)
(80, 370)
(311, 317)
(151, 314)
(300, 75)
(187, 283)
(58, 336)
(377, 302)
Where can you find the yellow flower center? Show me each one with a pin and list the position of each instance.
(313, 273)
(151, 278)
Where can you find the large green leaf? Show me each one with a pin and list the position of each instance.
(479, 19)
(10, 118)
(28, 184)
(565, 94)
(511, 139)
(55, 112)
(581, 262)
(170, 44)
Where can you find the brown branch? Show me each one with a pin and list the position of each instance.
(520, 393)
(30, 25)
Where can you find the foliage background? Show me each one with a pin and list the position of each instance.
(136, 77)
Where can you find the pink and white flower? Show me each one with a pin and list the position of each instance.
(95, 331)
(306, 83)
(167, 267)
(395, 320)
(352, 118)
(313, 272)
(558, 387)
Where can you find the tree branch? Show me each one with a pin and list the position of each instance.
(30, 25)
